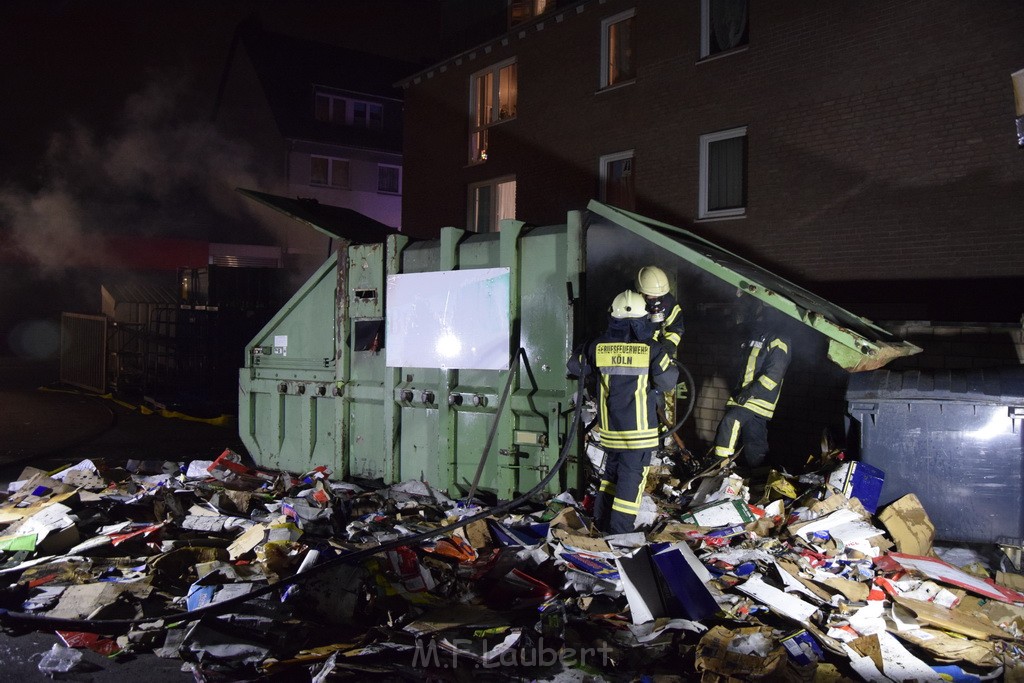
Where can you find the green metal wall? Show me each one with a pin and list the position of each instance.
(324, 402)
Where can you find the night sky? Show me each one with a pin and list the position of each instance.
(75, 62)
(106, 129)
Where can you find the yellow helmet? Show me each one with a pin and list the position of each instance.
(628, 304)
(652, 281)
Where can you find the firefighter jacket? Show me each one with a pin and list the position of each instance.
(670, 332)
(768, 357)
(629, 372)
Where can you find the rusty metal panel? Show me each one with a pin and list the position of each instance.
(83, 351)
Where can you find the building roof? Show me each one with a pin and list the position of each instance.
(334, 221)
(289, 69)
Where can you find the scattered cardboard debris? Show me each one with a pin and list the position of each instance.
(800, 585)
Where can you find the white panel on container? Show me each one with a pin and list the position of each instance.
(448, 319)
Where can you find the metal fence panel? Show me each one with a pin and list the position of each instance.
(83, 351)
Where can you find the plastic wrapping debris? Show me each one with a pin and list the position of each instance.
(59, 659)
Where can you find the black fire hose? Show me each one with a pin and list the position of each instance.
(691, 400)
(108, 626)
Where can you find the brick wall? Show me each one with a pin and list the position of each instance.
(812, 400)
(880, 135)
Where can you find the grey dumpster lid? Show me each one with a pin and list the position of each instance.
(1002, 385)
(334, 221)
(855, 343)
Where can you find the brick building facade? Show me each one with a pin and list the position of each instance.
(879, 162)
(880, 144)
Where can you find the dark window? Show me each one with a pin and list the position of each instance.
(727, 174)
(389, 179)
(725, 26)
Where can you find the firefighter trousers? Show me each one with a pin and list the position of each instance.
(622, 487)
(743, 426)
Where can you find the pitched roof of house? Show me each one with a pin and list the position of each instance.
(289, 70)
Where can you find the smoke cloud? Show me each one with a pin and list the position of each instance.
(154, 172)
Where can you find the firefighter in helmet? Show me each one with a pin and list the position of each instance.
(631, 365)
(666, 315)
(752, 404)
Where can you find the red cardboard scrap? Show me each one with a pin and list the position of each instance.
(229, 470)
(95, 642)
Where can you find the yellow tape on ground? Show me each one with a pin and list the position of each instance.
(219, 421)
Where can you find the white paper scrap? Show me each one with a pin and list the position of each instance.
(84, 466)
(779, 601)
(899, 664)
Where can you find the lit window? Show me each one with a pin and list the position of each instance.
(492, 99)
(617, 180)
(723, 174)
(328, 171)
(389, 179)
(520, 11)
(345, 111)
(617, 60)
(491, 202)
(723, 26)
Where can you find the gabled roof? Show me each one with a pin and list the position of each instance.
(334, 221)
(289, 70)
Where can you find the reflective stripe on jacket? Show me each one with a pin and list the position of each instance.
(629, 372)
(767, 362)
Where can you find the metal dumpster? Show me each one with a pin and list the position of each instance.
(393, 359)
(953, 438)
(330, 379)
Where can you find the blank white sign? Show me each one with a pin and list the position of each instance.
(452, 319)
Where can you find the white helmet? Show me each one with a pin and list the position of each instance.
(652, 281)
(628, 304)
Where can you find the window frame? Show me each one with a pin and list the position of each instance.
(478, 131)
(330, 172)
(703, 212)
(606, 26)
(389, 192)
(348, 116)
(603, 162)
(705, 34)
(332, 102)
(367, 121)
(471, 203)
